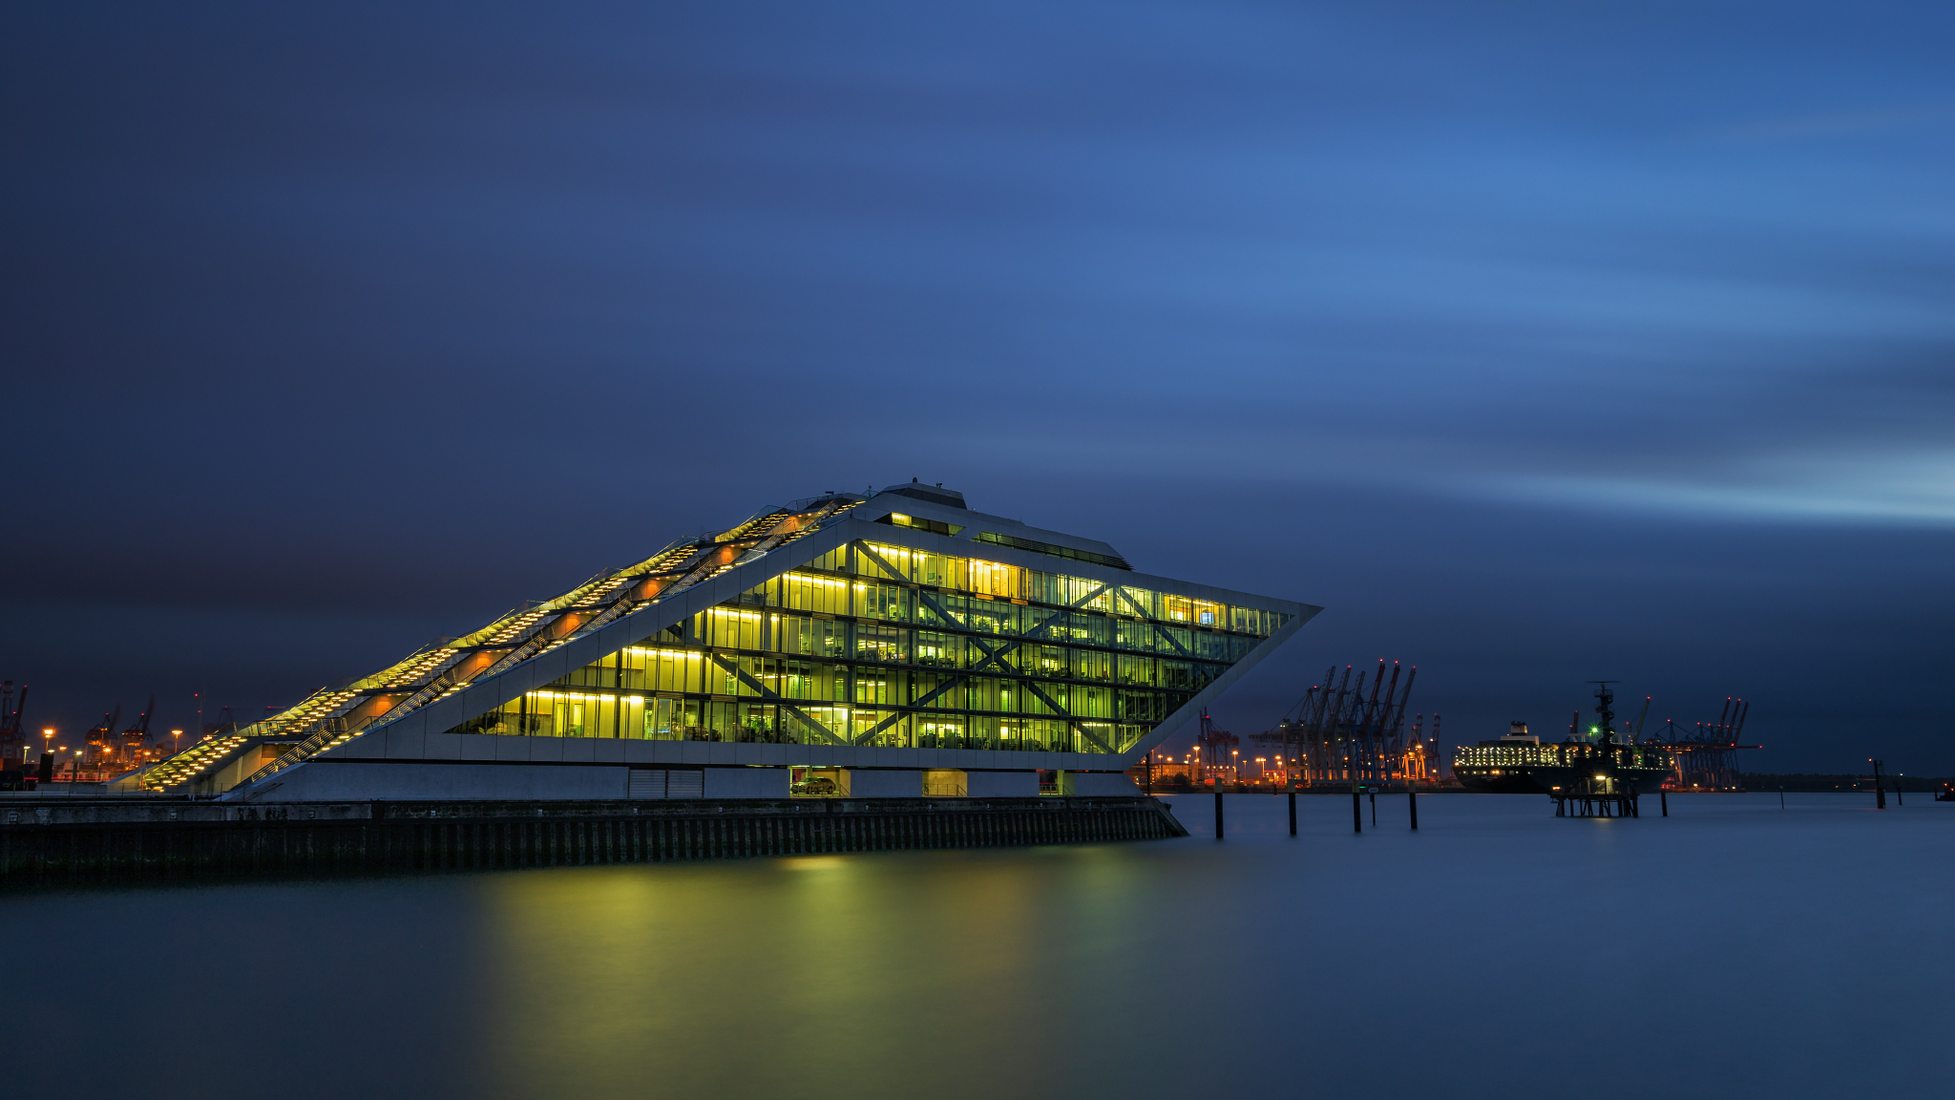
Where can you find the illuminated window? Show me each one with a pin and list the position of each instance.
(886, 646)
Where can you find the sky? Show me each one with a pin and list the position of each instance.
(1537, 342)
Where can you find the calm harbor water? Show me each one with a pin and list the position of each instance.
(1731, 949)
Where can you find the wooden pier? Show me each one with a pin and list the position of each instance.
(73, 841)
(1586, 804)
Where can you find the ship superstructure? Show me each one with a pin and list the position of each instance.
(1586, 771)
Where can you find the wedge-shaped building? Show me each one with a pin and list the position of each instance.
(891, 644)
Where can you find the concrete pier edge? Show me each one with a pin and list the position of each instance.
(116, 841)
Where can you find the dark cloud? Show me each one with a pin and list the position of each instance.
(1537, 342)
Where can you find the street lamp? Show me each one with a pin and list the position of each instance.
(176, 741)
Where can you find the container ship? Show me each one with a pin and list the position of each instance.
(1501, 766)
(1597, 765)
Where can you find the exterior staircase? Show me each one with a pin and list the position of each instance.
(329, 719)
(192, 762)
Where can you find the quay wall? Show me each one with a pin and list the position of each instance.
(74, 841)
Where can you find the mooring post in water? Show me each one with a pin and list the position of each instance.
(1218, 809)
(1293, 811)
(1357, 809)
(1880, 792)
(1663, 796)
(1412, 802)
(1781, 797)
(1374, 807)
(1898, 800)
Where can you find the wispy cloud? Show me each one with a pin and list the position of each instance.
(1840, 125)
(1852, 488)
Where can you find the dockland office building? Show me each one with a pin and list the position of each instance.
(889, 644)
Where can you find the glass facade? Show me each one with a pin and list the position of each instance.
(886, 646)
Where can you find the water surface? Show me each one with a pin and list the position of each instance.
(1731, 949)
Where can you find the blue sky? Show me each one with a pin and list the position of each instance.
(1539, 342)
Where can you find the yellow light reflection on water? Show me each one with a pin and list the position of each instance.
(606, 974)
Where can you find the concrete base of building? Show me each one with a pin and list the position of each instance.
(328, 779)
(70, 841)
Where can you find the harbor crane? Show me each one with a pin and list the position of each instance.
(1342, 731)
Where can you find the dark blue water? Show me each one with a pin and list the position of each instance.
(1731, 949)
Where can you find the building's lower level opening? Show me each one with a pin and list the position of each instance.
(946, 783)
(818, 783)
